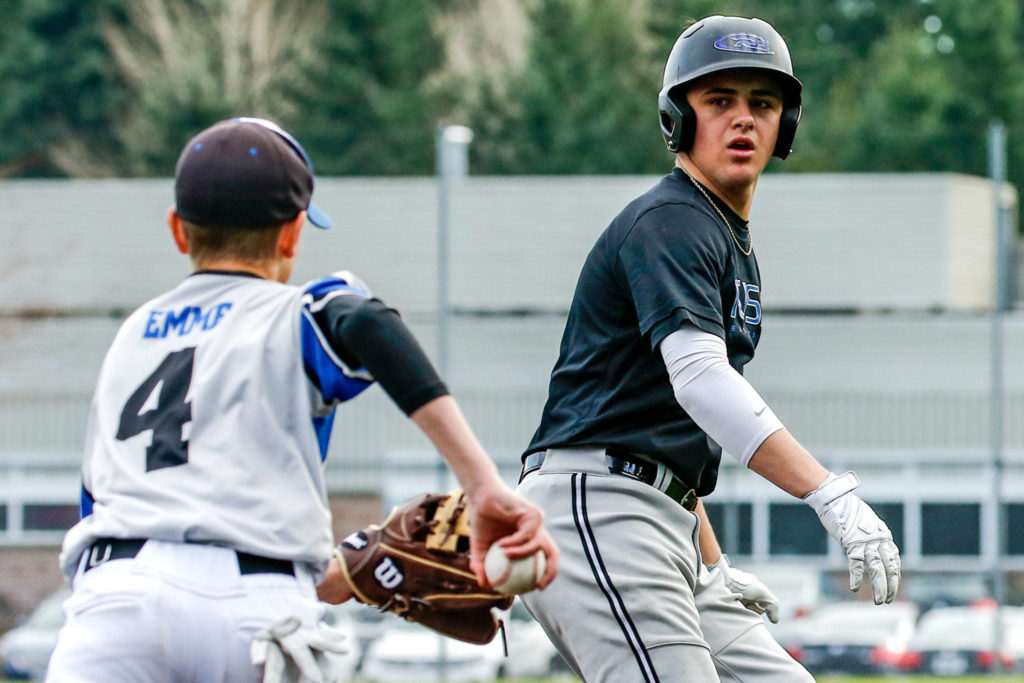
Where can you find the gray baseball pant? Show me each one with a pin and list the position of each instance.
(632, 601)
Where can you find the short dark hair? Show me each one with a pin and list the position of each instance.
(239, 242)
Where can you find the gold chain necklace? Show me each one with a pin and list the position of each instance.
(745, 252)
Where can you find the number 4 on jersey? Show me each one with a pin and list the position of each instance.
(173, 375)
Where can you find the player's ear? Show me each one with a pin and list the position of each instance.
(174, 223)
(288, 240)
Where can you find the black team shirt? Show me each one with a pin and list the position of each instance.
(666, 260)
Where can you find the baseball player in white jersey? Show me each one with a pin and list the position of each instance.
(205, 519)
(647, 393)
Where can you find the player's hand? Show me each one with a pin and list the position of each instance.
(865, 538)
(498, 515)
(749, 590)
(286, 651)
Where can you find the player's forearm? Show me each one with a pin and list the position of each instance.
(784, 462)
(442, 422)
(715, 396)
(710, 551)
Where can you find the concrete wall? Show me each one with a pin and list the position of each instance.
(857, 241)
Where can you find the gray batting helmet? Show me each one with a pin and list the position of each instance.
(715, 44)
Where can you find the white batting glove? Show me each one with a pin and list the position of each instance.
(749, 590)
(865, 538)
(286, 650)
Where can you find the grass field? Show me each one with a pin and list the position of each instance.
(893, 679)
(886, 679)
(918, 679)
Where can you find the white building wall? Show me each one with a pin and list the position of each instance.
(872, 390)
(858, 241)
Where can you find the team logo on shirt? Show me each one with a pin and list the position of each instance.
(747, 305)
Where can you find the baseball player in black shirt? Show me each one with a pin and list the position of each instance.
(648, 391)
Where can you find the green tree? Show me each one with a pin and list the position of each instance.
(375, 98)
(57, 84)
(189, 63)
(586, 100)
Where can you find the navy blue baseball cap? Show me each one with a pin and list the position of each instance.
(245, 171)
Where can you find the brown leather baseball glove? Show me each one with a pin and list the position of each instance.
(416, 565)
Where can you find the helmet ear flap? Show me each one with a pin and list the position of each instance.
(678, 122)
(787, 130)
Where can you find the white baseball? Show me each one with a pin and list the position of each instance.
(511, 577)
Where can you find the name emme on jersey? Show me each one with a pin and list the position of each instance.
(161, 323)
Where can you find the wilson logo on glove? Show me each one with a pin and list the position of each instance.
(388, 574)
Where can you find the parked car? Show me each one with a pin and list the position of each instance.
(854, 637)
(953, 641)
(409, 652)
(945, 589)
(26, 649)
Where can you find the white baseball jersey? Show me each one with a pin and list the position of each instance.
(211, 419)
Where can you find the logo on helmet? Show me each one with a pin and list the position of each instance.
(744, 42)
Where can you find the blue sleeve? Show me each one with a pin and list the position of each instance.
(335, 378)
(85, 503)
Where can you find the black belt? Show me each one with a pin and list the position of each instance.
(105, 549)
(634, 468)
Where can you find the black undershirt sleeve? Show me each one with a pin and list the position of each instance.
(367, 334)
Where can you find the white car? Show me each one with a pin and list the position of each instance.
(409, 652)
(26, 649)
(855, 637)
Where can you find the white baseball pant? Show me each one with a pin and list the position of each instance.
(174, 612)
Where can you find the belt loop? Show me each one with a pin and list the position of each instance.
(532, 463)
(664, 478)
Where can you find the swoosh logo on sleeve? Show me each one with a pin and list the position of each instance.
(757, 413)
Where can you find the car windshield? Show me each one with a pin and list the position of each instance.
(945, 588)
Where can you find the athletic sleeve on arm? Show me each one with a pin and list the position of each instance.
(722, 403)
(336, 374)
(377, 337)
(674, 260)
(365, 334)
